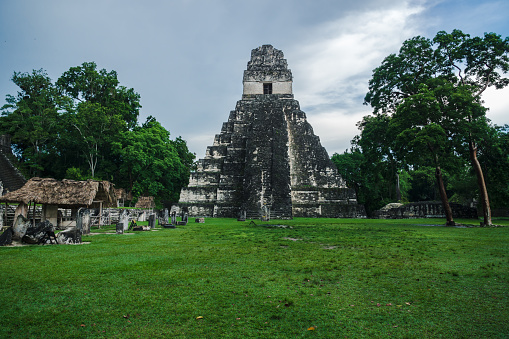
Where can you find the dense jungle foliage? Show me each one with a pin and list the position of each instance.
(428, 137)
(85, 125)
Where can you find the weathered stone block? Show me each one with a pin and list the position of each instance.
(424, 209)
(124, 219)
(83, 220)
(6, 237)
(20, 227)
(42, 232)
(120, 228)
(71, 235)
(152, 221)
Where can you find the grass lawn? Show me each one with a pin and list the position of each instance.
(314, 278)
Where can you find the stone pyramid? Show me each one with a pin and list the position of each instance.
(267, 162)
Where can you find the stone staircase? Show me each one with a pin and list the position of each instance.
(10, 177)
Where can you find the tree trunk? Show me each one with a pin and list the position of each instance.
(483, 192)
(398, 190)
(443, 197)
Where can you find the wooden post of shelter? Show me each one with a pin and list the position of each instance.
(33, 213)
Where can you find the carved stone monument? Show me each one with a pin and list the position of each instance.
(21, 225)
(267, 161)
(163, 217)
(6, 237)
(124, 219)
(152, 221)
(119, 228)
(71, 235)
(42, 233)
(83, 220)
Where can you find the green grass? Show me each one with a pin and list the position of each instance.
(344, 277)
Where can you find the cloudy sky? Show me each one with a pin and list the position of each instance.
(186, 57)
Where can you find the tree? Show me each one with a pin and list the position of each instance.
(380, 168)
(421, 127)
(86, 126)
(365, 177)
(494, 156)
(95, 128)
(476, 63)
(86, 84)
(422, 186)
(99, 111)
(428, 74)
(370, 167)
(349, 166)
(31, 118)
(152, 164)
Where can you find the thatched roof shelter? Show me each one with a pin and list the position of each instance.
(65, 193)
(122, 194)
(145, 202)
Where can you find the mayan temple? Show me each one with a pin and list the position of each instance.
(267, 161)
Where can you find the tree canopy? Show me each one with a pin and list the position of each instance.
(31, 118)
(428, 111)
(85, 125)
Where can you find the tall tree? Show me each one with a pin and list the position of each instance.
(87, 84)
(98, 113)
(349, 166)
(31, 118)
(477, 63)
(152, 164)
(451, 65)
(494, 156)
(86, 126)
(95, 129)
(370, 166)
(380, 167)
(421, 127)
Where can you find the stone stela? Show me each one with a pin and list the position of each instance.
(266, 162)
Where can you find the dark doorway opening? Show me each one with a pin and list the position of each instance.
(267, 88)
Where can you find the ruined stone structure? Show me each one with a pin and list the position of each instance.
(267, 161)
(423, 209)
(10, 178)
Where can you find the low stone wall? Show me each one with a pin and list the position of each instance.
(424, 209)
